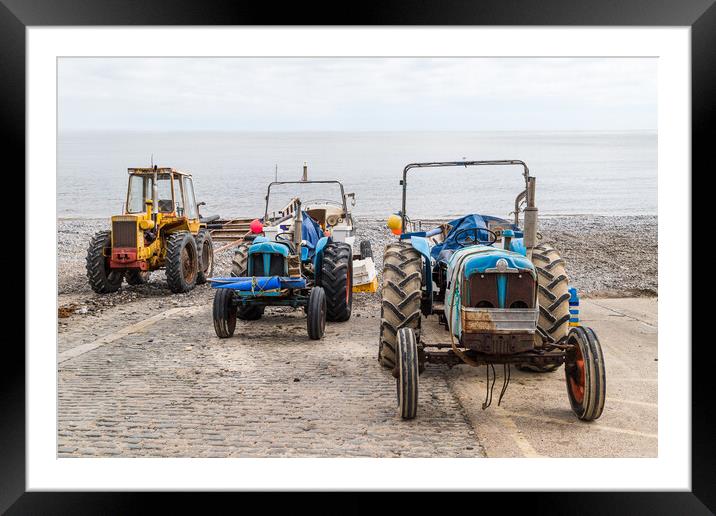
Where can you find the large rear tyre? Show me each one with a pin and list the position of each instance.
(401, 293)
(182, 263)
(240, 261)
(224, 313)
(316, 320)
(585, 374)
(250, 313)
(366, 251)
(137, 277)
(337, 280)
(408, 373)
(205, 250)
(102, 279)
(553, 298)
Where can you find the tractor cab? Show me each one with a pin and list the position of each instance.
(166, 192)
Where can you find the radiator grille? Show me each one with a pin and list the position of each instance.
(482, 291)
(276, 265)
(124, 233)
(520, 291)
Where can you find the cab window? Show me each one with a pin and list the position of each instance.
(139, 191)
(164, 194)
(191, 209)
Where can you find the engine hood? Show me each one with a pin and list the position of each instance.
(480, 259)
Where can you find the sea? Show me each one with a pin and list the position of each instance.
(578, 173)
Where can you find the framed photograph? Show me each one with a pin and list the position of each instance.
(440, 249)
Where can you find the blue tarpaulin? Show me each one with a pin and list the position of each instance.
(468, 222)
(258, 283)
(310, 232)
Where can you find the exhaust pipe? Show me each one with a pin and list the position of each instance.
(530, 231)
(155, 196)
(298, 227)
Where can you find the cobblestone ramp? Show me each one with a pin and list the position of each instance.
(175, 389)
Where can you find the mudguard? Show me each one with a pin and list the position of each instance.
(318, 257)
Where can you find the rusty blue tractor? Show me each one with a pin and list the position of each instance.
(503, 297)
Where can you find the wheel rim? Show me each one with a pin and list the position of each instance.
(577, 378)
(188, 264)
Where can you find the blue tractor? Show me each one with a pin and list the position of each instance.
(299, 267)
(503, 297)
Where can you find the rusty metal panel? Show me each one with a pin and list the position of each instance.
(498, 320)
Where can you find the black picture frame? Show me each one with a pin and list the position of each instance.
(699, 15)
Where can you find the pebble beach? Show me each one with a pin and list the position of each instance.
(606, 256)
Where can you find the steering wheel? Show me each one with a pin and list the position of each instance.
(471, 236)
(286, 238)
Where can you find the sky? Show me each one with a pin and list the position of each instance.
(357, 94)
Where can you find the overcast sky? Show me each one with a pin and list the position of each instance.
(345, 94)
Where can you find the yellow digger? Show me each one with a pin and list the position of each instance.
(160, 229)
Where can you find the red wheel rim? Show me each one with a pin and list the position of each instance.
(577, 380)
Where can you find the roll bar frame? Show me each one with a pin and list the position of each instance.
(276, 183)
(434, 164)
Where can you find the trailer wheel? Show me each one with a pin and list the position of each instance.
(408, 373)
(205, 250)
(337, 280)
(585, 374)
(249, 312)
(240, 261)
(366, 251)
(137, 277)
(316, 320)
(401, 293)
(224, 313)
(553, 297)
(102, 279)
(182, 263)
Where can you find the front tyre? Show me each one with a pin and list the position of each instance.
(224, 313)
(182, 263)
(316, 320)
(102, 279)
(205, 250)
(408, 374)
(401, 293)
(585, 374)
(337, 280)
